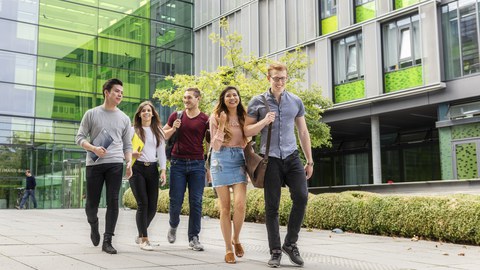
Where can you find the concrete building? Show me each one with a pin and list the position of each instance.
(403, 76)
(55, 56)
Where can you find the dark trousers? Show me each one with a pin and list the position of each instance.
(144, 184)
(288, 171)
(183, 173)
(97, 175)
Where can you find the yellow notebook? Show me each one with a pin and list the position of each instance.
(137, 145)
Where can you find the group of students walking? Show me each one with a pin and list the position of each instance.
(230, 125)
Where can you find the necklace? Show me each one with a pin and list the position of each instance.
(233, 123)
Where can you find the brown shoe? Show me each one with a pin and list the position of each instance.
(229, 257)
(238, 250)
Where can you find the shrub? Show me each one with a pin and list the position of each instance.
(453, 218)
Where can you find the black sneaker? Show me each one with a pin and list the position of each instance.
(293, 254)
(275, 259)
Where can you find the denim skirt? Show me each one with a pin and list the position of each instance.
(227, 166)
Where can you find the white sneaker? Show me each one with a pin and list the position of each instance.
(138, 240)
(146, 246)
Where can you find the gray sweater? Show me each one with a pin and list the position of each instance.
(116, 123)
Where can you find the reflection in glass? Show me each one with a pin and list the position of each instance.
(17, 99)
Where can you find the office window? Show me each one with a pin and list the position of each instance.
(328, 16)
(364, 10)
(348, 58)
(348, 68)
(401, 43)
(402, 54)
(460, 38)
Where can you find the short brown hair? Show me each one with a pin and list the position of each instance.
(196, 91)
(277, 66)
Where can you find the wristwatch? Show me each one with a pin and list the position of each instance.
(310, 163)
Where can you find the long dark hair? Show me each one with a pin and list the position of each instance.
(222, 107)
(155, 125)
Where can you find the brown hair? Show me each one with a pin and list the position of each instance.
(155, 125)
(196, 91)
(222, 107)
(277, 66)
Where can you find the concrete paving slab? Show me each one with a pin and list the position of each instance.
(59, 239)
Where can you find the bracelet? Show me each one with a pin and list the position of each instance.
(310, 163)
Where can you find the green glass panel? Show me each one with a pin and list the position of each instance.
(135, 84)
(169, 62)
(65, 132)
(16, 130)
(174, 12)
(44, 131)
(65, 105)
(349, 91)
(68, 15)
(405, 3)
(466, 131)
(403, 79)
(173, 37)
(134, 7)
(329, 25)
(72, 46)
(445, 138)
(124, 27)
(365, 12)
(93, 3)
(120, 54)
(467, 167)
(62, 74)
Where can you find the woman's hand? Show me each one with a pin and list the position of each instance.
(136, 154)
(222, 118)
(163, 178)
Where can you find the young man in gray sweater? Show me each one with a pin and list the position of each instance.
(106, 134)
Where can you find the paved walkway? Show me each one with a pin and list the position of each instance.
(59, 239)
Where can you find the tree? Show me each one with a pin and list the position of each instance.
(248, 73)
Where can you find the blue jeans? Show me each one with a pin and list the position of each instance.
(185, 172)
(28, 192)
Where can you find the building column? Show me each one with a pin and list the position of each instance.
(376, 150)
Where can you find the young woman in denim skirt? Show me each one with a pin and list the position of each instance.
(227, 166)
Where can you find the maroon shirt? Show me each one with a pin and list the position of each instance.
(189, 144)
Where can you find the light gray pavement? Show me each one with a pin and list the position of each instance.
(59, 239)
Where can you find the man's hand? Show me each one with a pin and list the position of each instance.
(128, 171)
(177, 123)
(308, 170)
(99, 151)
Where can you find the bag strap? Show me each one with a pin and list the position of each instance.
(179, 116)
(269, 134)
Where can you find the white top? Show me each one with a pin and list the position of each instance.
(152, 153)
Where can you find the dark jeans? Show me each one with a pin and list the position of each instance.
(97, 175)
(26, 194)
(288, 171)
(182, 173)
(144, 183)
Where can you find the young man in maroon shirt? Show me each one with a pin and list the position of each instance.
(187, 166)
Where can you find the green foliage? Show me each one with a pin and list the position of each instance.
(454, 218)
(248, 73)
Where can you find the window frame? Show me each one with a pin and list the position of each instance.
(415, 57)
(357, 43)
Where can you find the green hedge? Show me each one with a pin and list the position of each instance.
(453, 218)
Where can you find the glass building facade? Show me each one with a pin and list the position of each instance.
(55, 56)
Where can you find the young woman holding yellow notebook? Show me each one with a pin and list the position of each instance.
(149, 151)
